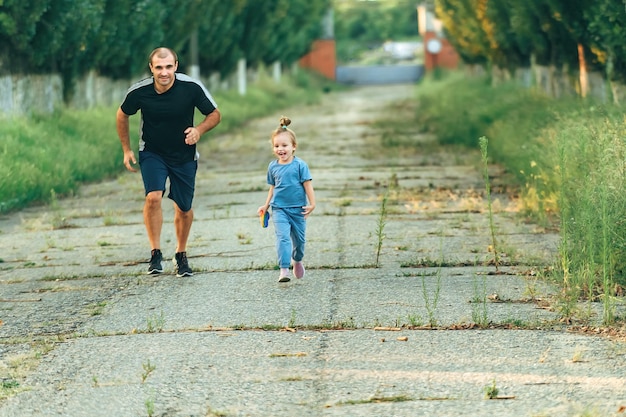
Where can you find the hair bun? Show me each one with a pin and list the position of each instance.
(284, 122)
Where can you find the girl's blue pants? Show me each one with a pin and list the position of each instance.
(290, 228)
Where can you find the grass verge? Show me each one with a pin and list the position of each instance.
(568, 158)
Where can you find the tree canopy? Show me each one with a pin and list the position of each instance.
(114, 37)
(507, 33)
(375, 21)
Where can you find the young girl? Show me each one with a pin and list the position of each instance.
(290, 189)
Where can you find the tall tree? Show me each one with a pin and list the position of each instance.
(607, 31)
(219, 36)
(130, 30)
(114, 37)
(375, 21)
(505, 50)
(297, 23)
(463, 29)
(19, 21)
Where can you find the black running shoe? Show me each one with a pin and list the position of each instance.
(181, 266)
(155, 262)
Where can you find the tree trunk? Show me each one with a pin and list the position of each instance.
(582, 71)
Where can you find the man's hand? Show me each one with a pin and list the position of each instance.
(129, 158)
(192, 136)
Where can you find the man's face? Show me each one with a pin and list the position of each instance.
(163, 70)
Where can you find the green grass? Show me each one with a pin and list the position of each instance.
(568, 158)
(43, 157)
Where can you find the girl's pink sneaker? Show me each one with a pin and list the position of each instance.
(298, 269)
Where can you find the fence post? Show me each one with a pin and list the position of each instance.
(276, 71)
(241, 76)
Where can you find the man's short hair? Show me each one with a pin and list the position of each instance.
(162, 52)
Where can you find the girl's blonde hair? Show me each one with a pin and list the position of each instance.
(282, 128)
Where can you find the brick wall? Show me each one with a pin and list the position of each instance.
(321, 58)
(446, 58)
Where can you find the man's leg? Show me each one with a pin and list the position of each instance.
(182, 187)
(182, 225)
(153, 218)
(154, 175)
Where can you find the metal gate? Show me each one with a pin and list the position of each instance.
(380, 74)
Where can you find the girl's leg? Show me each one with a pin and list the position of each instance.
(298, 235)
(282, 228)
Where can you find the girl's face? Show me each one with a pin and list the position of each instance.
(284, 148)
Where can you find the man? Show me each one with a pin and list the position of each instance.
(167, 147)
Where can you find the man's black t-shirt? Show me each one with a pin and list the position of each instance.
(164, 117)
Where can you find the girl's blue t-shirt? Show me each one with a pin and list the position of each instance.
(288, 180)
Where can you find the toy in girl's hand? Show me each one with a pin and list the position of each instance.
(265, 218)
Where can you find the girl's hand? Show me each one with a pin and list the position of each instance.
(306, 210)
(261, 210)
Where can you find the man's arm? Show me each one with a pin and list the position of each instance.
(192, 134)
(123, 131)
(210, 121)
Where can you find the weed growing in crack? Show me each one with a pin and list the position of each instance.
(148, 368)
(415, 320)
(479, 303)
(531, 287)
(380, 228)
(483, 141)
(15, 368)
(491, 391)
(516, 323)
(244, 239)
(8, 387)
(344, 203)
(97, 308)
(292, 320)
(155, 324)
(59, 221)
(431, 303)
(349, 323)
(150, 405)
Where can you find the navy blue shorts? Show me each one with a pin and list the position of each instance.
(155, 171)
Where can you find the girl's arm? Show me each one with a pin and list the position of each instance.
(265, 206)
(310, 195)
